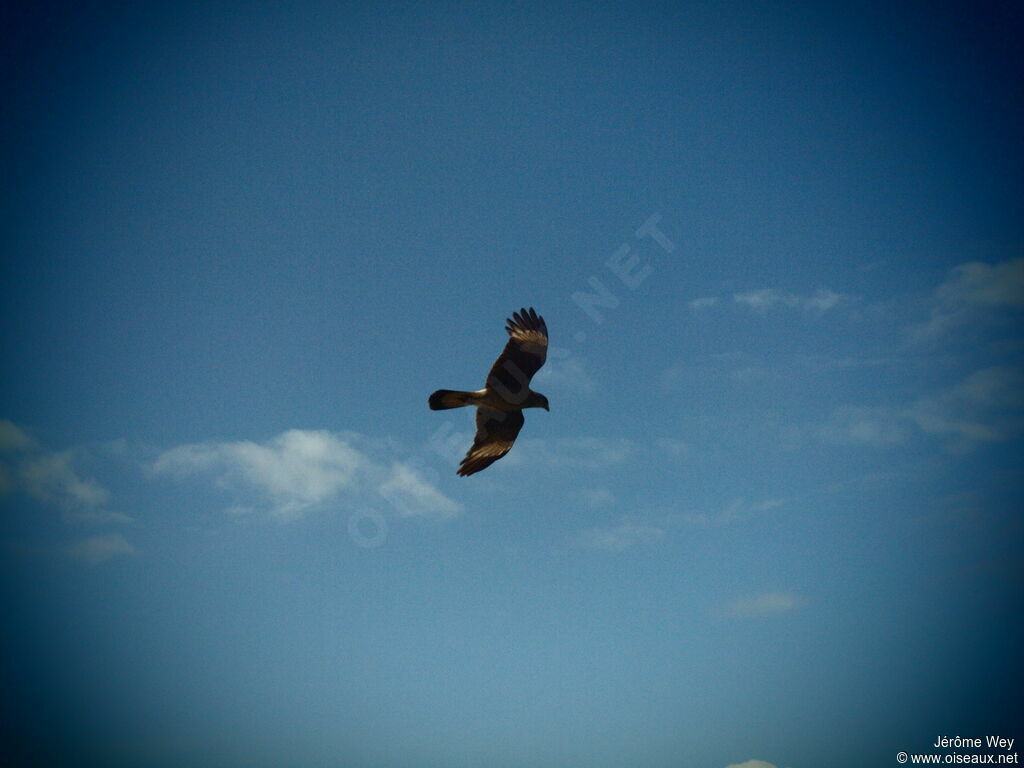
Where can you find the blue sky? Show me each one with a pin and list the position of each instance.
(773, 516)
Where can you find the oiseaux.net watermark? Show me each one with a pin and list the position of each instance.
(965, 750)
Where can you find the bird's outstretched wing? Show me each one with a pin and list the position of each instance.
(523, 355)
(495, 433)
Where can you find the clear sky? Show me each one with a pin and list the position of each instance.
(773, 517)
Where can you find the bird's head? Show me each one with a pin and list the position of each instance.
(537, 400)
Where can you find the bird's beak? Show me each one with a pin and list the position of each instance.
(546, 408)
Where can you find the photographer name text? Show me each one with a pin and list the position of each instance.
(961, 742)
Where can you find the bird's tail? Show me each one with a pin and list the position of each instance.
(449, 398)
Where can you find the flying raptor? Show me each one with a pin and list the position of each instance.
(500, 404)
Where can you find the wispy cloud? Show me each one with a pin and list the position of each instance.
(50, 477)
(413, 496)
(828, 364)
(619, 538)
(878, 427)
(673, 447)
(751, 764)
(704, 302)
(765, 299)
(97, 517)
(54, 479)
(567, 373)
(737, 509)
(762, 605)
(971, 291)
(739, 367)
(985, 407)
(981, 284)
(748, 368)
(299, 470)
(13, 439)
(584, 453)
(94, 550)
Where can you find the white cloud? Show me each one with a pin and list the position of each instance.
(621, 537)
(736, 509)
(751, 764)
(302, 469)
(765, 299)
(856, 425)
(677, 449)
(13, 439)
(704, 302)
(583, 453)
(980, 284)
(816, 364)
(823, 300)
(97, 549)
(451, 444)
(97, 517)
(971, 291)
(987, 406)
(412, 495)
(995, 387)
(52, 479)
(565, 373)
(296, 470)
(762, 605)
(747, 369)
(47, 476)
(766, 505)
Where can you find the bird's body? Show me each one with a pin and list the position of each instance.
(486, 397)
(499, 405)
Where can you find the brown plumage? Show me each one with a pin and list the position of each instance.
(500, 404)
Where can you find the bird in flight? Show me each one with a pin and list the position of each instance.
(500, 404)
